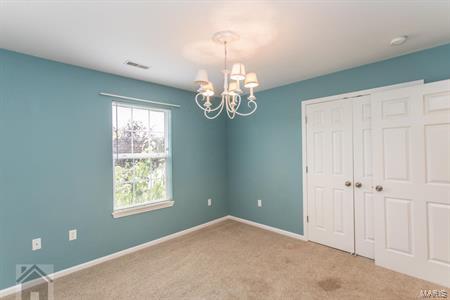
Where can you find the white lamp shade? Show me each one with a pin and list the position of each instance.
(202, 77)
(238, 72)
(232, 86)
(251, 80)
(208, 89)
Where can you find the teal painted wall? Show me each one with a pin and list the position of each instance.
(56, 160)
(265, 149)
(56, 165)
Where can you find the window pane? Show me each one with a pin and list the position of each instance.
(142, 192)
(157, 143)
(157, 121)
(123, 170)
(121, 135)
(150, 182)
(123, 195)
(141, 142)
(123, 118)
(157, 181)
(114, 128)
(123, 142)
(114, 111)
(140, 119)
(115, 141)
(142, 169)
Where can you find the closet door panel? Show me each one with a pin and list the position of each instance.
(411, 136)
(329, 156)
(363, 173)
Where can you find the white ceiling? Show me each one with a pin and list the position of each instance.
(283, 41)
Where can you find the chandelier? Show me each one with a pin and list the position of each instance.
(231, 97)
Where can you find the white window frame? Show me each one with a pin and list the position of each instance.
(153, 205)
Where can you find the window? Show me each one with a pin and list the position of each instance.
(141, 158)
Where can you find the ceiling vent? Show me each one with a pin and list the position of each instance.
(134, 64)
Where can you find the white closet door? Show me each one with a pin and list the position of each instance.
(362, 148)
(330, 166)
(411, 139)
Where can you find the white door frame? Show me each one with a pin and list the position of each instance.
(304, 103)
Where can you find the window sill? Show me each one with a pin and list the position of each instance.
(119, 213)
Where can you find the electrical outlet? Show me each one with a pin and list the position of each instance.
(259, 203)
(36, 244)
(72, 234)
(209, 202)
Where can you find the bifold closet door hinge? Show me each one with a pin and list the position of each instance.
(306, 169)
(307, 219)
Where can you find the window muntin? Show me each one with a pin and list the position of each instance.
(141, 155)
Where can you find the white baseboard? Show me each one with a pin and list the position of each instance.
(270, 228)
(16, 288)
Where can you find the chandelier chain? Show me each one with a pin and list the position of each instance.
(225, 58)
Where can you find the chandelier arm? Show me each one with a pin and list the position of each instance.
(228, 106)
(230, 114)
(238, 102)
(214, 109)
(196, 101)
(202, 107)
(216, 115)
(255, 106)
(231, 111)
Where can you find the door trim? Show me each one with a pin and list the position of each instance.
(306, 102)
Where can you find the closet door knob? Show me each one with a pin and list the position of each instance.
(378, 188)
(358, 184)
(348, 183)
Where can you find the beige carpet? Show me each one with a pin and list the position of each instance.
(231, 260)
